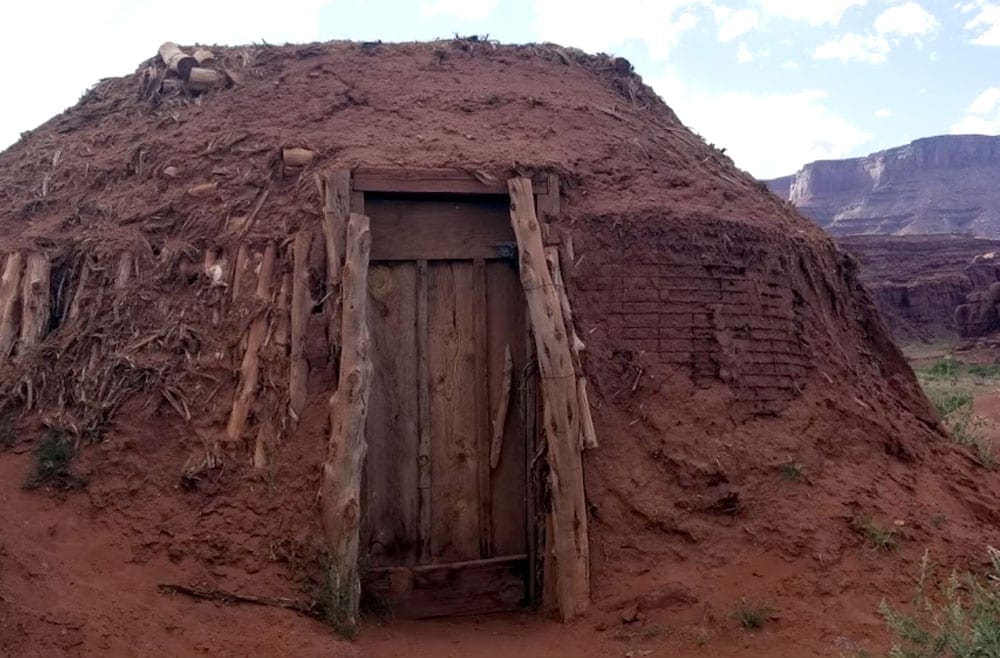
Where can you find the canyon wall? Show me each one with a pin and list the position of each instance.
(945, 184)
(931, 286)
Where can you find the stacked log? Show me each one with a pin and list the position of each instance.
(177, 60)
(193, 70)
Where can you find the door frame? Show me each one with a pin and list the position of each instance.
(545, 189)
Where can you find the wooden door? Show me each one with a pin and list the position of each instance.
(444, 532)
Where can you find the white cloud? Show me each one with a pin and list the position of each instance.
(986, 102)
(871, 48)
(594, 27)
(907, 19)
(734, 23)
(790, 65)
(982, 116)
(116, 35)
(814, 12)
(985, 23)
(883, 113)
(772, 134)
(743, 55)
(470, 10)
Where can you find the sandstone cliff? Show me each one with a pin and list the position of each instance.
(945, 184)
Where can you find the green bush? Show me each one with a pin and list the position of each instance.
(964, 623)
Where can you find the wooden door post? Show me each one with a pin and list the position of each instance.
(560, 402)
(340, 488)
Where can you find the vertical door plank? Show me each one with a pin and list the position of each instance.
(454, 450)
(482, 405)
(424, 417)
(505, 314)
(392, 503)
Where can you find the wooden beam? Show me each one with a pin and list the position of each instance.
(440, 181)
(561, 412)
(482, 406)
(10, 304)
(340, 487)
(423, 418)
(457, 588)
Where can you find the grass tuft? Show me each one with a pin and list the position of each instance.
(752, 616)
(878, 538)
(791, 471)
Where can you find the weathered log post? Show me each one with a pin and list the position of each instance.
(336, 189)
(250, 366)
(35, 299)
(10, 300)
(73, 314)
(298, 370)
(561, 410)
(340, 488)
(588, 435)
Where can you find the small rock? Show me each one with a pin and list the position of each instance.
(170, 172)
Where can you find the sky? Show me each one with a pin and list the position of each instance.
(778, 83)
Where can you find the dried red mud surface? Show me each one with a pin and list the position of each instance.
(727, 336)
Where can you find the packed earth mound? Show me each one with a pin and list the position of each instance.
(756, 423)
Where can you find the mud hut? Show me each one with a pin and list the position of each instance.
(487, 321)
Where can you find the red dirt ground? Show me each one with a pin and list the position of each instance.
(691, 517)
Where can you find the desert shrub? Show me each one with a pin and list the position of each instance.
(946, 367)
(954, 405)
(879, 538)
(964, 622)
(53, 463)
(752, 616)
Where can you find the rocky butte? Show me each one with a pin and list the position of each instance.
(944, 184)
